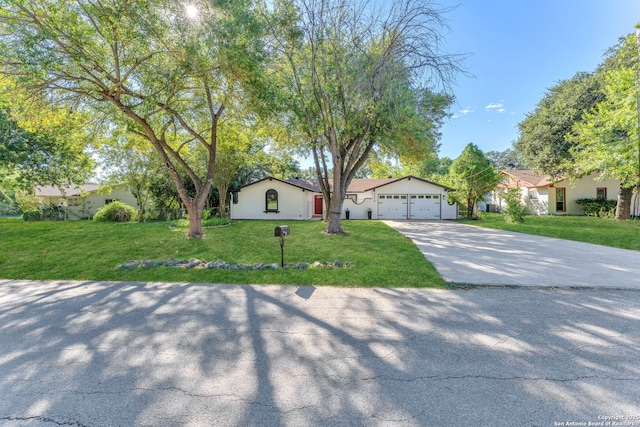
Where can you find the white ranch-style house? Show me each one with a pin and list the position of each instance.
(544, 196)
(84, 200)
(405, 198)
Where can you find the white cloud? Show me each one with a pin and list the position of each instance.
(461, 113)
(495, 106)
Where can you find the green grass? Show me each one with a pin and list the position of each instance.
(600, 231)
(85, 250)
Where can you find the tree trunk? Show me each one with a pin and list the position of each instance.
(195, 220)
(334, 216)
(623, 207)
(469, 208)
(222, 198)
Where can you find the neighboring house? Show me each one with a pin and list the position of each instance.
(84, 200)
(389, 198)
(542, 195)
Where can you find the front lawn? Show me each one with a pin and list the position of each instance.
(84, 250)
(600, 231)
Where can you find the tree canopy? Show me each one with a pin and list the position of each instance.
(606, 140)
(544, 141)
(360, 77)
(39, 144)
(163, 74)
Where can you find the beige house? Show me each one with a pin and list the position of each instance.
(389, 198)
(84, 200)
(544, 196)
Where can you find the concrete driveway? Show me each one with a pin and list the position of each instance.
(466, 254)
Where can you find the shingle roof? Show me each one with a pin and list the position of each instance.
(65, 190)
(527, 178)
(357, 185)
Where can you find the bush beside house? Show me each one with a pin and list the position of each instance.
(115, 212)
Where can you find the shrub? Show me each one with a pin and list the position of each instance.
(598, 207)
(32, 215)
(115, 212)
(515, 210)
(7, 209)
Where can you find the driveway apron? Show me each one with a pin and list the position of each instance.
(466, 254)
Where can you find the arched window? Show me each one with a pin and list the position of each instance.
(271, 201)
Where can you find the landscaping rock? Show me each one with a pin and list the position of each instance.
(221, 265)
(129, 264)
(148, 263)
(195, 263)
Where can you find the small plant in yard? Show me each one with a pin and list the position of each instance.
(32, 215)
(515, 211)
(115, 212)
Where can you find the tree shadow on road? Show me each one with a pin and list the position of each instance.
(97, 354)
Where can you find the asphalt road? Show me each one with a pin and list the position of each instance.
(93, 354)
(466, 254)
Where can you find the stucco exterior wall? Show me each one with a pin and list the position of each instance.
(582, 189)
(410, 186)
(294, 203)
(359, 210)
(536, 200)
(448, 211)
(76, 207)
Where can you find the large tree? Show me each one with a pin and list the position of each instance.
(39, 145)
(167, 72)
(544, 141)
(360, 76)
(606, 140)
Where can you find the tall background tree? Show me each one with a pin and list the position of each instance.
(589, 124)
(544, 141)
(606, 139)
(360, 76)
(40, 145)
(167, 75)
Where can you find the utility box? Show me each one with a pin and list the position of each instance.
(281, 231)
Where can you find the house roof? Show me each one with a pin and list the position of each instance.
(65, 190)
(527, 178)
(357, 185)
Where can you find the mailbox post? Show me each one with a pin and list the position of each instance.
(281, 231)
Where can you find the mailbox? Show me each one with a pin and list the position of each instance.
(281, 231)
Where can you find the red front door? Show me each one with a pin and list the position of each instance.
(317, 205)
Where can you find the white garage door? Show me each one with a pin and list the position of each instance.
(392, 206)
(424, 206)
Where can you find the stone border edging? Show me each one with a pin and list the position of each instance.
(195, 263)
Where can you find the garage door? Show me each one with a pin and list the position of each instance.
(424, 206)
(392, 206)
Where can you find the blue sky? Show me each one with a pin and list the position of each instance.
(519, 49)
